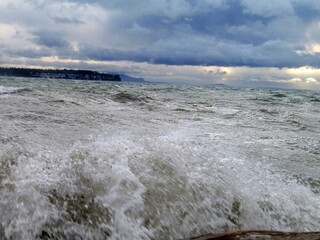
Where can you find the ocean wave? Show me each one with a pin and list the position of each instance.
(124, 97)
(123, 186)
(93, 160)
(8, 90)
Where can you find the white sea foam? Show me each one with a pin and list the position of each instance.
(150, 188)
(156, 161)
(5, 90)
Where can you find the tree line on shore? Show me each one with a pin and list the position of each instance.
(58, 74)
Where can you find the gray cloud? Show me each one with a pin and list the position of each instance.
(50, 39)
(202, 51)
(176, 32)
(269, 9)
(28, 53)
(66, 20)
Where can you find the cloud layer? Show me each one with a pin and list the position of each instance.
(265, 33)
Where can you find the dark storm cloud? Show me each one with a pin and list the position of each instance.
(203, 52)
(232, 33)
(29, 53)
(50, 39)
(265, 33)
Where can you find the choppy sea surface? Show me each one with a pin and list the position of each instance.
(105, 160)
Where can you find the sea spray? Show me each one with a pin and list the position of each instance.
(137, 168)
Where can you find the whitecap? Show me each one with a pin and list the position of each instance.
(7, 90)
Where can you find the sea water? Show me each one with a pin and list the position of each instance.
(104, 160)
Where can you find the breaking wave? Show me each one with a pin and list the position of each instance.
(88, 160)
(8, 90)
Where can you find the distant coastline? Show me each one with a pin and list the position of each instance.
(127, 78)
(58, 74)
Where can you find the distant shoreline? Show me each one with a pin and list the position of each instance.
(58, 74)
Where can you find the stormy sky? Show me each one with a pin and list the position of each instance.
(270, 43)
